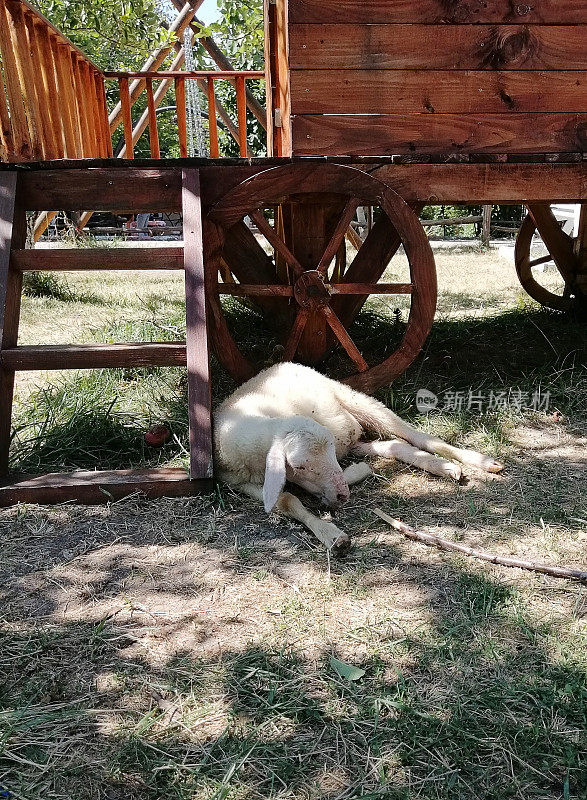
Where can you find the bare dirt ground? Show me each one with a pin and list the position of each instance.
(183, 648)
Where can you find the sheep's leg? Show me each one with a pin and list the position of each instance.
(410, 455)
(327, 532)
(375, 417)
(355, 473)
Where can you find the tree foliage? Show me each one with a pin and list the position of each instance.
(115, 34)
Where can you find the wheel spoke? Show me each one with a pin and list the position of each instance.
(273, 239)
(345, 340)
(371, 288)
(339, 234)
(538, 261)
(255, 290)
(295, 335)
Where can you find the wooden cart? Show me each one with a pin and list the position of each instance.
(389, 105)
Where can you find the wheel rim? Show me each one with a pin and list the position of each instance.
(315, 297)
(525, 264)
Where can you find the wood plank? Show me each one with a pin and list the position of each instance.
(153, 135)
(77, 259)
(101, 92)
(20, 129)
(128, 189)
(101, 486)
(12, 233)
(26, 74)
(80, 99)
(552, 12)
(44, 84)
(181, 116)
(70, 112)
(212, 124)
(389, 134)
(198, 362)
(89, 110)
(94, 356)
(241, 106)
(516, 47)
(126, 116)
(50, 113)
(58, 87)
(442, 92)
(6, 140)
(97, 113)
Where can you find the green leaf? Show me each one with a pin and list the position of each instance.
(346, 670)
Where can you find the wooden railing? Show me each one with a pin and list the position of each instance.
(52, 98)
(205, 80)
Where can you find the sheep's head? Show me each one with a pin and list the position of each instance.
(305, 454)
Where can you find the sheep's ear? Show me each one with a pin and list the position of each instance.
(274, 475)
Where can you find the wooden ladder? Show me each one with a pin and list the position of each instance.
(19, 192)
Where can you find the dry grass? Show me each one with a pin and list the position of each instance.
(181, 648)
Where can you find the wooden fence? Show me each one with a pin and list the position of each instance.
(52, 98)
(205, 80)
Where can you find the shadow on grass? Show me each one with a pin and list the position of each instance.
(476, 705)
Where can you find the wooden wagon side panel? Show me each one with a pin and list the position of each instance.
(437, 77)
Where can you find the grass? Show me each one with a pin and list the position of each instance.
(181, 649)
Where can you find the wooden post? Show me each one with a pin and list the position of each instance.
(212, 126)
(181, 121)
(199, 401)
(12, 235)
(581, 256)
(126, 117)
(241, 106)
(153, 136)
(486, 231)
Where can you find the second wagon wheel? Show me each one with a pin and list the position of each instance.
(561, 251)
(314, 298)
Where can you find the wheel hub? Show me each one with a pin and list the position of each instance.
(310, 291)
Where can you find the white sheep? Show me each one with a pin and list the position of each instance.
(291, 423)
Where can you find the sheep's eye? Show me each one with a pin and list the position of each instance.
(301, 468)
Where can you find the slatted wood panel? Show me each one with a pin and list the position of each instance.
(437, 77)
(52, 101)
(555, 12)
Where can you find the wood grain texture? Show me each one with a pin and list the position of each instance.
(12, 234)
(337, 91)
(20, 129)
(199, 398)
(96, 258)
(105, 189)
(181, 116)
(554, 12)
(94, 356)
(503, 47)
(96, 487)
(389, 134)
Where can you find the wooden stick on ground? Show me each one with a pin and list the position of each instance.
(443, 544)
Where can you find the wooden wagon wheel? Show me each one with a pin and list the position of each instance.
(321, 306)
(561, 250)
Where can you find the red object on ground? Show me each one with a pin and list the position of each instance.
(157, 435)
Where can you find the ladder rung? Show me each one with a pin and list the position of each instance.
(71, 259)
(94, 356)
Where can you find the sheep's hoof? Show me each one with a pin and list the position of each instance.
(495, 466)
(342, 545)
